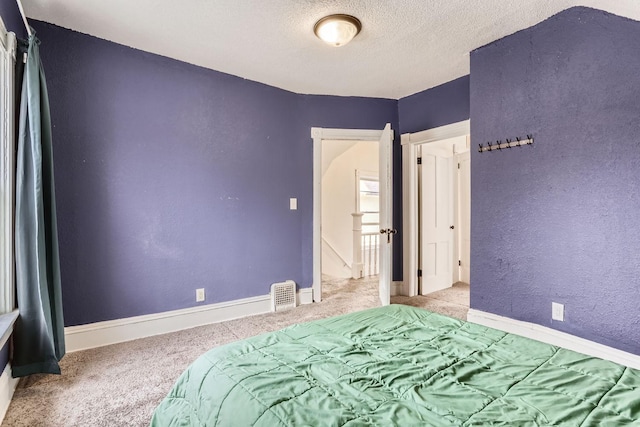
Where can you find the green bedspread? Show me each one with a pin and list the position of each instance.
(399, 365)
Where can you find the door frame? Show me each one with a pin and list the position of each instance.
(7, 172)
(318, 135)
(410, 143)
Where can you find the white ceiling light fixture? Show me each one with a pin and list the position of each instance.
(337, 30)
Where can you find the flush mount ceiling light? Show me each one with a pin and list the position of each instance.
(337, 30)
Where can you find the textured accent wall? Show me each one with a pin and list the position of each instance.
(438, 106)
(558, 221)
(171, 177)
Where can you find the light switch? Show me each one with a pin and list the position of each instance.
(557, 311)
(293, 203)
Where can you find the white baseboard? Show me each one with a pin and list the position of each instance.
(305, 296)
(553, 337)
(99, 334)
(8, 385)
(397, 288)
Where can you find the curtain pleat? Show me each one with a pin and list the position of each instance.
(39, 331)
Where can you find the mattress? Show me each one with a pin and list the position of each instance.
(402, 366)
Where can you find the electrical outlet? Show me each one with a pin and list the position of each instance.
(293, 203)
(557, 311)
(200, 295)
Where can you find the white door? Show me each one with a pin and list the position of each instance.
(437, 218)
(464, 215)
(386, 217)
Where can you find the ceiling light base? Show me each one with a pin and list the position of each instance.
(337, 30)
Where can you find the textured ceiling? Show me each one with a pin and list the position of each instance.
(405, 45)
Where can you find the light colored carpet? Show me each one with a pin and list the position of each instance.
(121, 384)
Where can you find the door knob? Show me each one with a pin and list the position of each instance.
(388, 232)
(452, 227)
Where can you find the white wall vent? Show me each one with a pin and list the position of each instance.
(283, 295)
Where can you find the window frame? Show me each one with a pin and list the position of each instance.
(364, 175)
(7, 169)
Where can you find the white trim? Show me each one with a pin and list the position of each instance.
(8, 385)
(553, 337)
(3, 34)
(24, 17)
(317, 135)
(410, 143)
(99, 334)
(385, 220)
(437, 134)
(409, 217)
(396, 288)
(305, 296)
(346, 134)
(7, 168)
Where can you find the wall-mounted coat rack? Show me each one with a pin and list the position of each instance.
(506, 144)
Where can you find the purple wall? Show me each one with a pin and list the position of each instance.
(438, 106)
(559, 221)
(171, 177)
(11, 17)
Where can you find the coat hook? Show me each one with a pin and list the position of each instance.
(508, 143)
(498, 143)
(480, 148)
(519, 142)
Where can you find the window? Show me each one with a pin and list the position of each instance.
(368, 201)
(7, 168)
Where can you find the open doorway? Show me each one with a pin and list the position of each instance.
(443, 212)
(354, 140)
(350, 200)
(436, 202)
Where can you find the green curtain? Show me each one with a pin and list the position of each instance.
(39, 331)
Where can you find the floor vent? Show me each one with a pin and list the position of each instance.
(283, 295)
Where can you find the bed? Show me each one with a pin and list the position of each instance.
(399, 365)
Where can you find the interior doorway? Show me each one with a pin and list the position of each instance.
(384, 140)
(349, 195)
(443, 210)
(436, 208)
